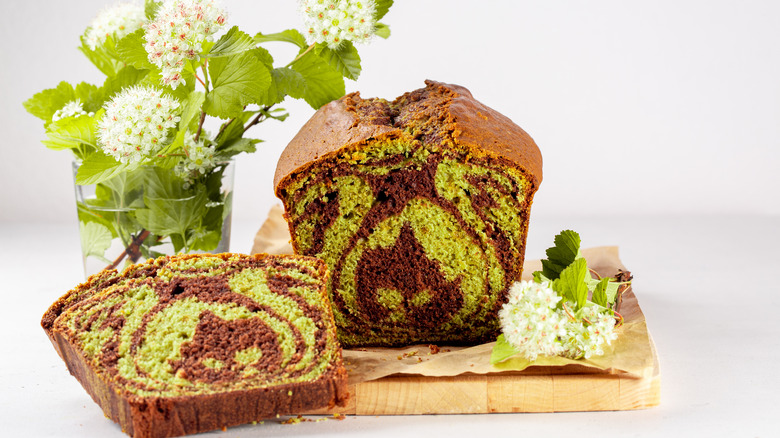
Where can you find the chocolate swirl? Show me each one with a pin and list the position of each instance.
(422, 244)
(193, 325)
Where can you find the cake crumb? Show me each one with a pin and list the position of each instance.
(434, 349)
(407, 354)
(294, 420)
(338, 416)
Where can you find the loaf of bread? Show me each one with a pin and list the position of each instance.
(420, 209)
(188, 344)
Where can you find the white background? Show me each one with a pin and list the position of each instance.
(662, 107)
(659, 124)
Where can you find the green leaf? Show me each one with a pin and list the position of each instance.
(539, 278)
(167, 216)
(284, 82)
(345, 59)
(98, 167)
(502, 351)
(571, 283)
(162, 183)
(238, 81)
(132, 50)
(190, 115)
(91, 97)
(105, 218)
(264, 56)
(612, 290)
(95, 239)
(212, 186)
(171, 210)
(203, 240)
(287, 36)
(125, 189)
(233, 129)
(126, 77)
(382, 30)
(565, 251)
(44, 104)
(150, 9)
(178, 242)
(153, 79)
(232, 43)
(102, 57)
(600, 293)
(382, 6)
(322, 83)
(279, 114)
(238, 146)
(71, 132)
(206, 237)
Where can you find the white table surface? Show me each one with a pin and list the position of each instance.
(709, 288)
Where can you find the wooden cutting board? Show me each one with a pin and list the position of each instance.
(544, 390)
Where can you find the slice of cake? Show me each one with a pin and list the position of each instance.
(419, 207)
(188, 344)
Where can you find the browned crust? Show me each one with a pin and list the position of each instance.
(176, 416)
(337, 126)
(161, 417)
(83, 291)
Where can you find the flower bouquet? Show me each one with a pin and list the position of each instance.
(150, 180)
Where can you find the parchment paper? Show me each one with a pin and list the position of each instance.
(632, 353)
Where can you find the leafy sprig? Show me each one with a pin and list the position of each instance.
(234, 79)
(582, 297)
(566, 268)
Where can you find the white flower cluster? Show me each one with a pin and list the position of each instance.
(334, 21)
(136, 123)
(532, 323)
(70, 109)
(178, 32)
(198, 159)
(588, 340)
(118, 21)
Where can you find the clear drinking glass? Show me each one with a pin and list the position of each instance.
(150, 212)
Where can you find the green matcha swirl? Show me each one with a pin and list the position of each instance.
(422, 241)
(196, 325)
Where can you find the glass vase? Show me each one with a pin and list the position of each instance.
(152, 211)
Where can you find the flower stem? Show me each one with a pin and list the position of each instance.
(205, 76)
(224, 126)
(200, 80)
(300, 55)
(620, 319)
(200, 125)
(257, 118)
(131, 251)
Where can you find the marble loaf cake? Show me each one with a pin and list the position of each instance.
(188, 344)
(419, 207)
